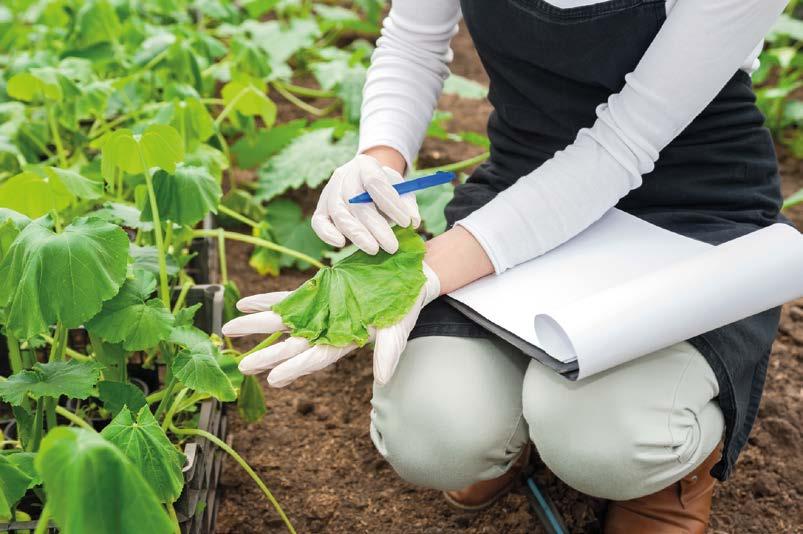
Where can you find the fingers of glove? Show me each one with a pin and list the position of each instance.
(327, 231)
(388, 346)
(412, 208)
(377, 225)
(266, 322)
(260, 303)
(270, 357)
(387, 200)
(307, 362)
(350, 226)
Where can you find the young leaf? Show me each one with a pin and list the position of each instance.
(308, 160)
(123, 215)
(80, 186)
(72, 379)
(231, 294)
(13, 485)
(11, 224)
(145, 444)
(248, 97)
(184, 196)
(38, 84)
(160, 145)
(147, 259)
(96, 22)
(116, 395)
(132, 317)
(289, 228)
(93, 488)
(48, 277)
(186, 316)
(337, 306)
(251, 401)
(197, 366)
(191, 119)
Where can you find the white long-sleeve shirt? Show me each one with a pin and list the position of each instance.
(698, 48)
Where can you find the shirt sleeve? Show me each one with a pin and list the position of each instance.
(699, 47)
(406, 76)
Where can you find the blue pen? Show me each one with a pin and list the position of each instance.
(409, 186)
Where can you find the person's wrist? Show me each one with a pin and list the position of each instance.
(387, 157)
(457, 259)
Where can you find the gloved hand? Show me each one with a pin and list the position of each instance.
(296, 357)
(335, 220)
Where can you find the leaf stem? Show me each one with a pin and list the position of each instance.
(239, 459)
(75, 355)
(171, 511)
(267, 342)
(43, 526)
(185, 288)
(221, 249)
(14, 356)
(164, 289)
(236, 236)
(309, 92)
(168, 420)
(456, 166)
(54, 131)
(74, 419)
(293, 99)
(237, 216)
(38, 423)
(167, 392)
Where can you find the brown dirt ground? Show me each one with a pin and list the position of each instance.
(314, 452)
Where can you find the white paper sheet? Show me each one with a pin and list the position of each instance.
(624, 288)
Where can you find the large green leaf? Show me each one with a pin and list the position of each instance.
(251, 401)
(145, 444)
(283, 41)
(160, 145)
(71, 378)
(290, 229)
(93, 488)
(48, 277)
(80, 186)
(198, 366)
(96, 22)
(37, 84)
(116, 395)
(308, 160)
(132, 317)
(184, 196)
(147, 259)
(337, 306)
(34, 195)
(252, 151)
(13, 485)
(124, 215)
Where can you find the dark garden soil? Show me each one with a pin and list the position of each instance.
(314, 452)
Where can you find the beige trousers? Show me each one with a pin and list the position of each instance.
(458, 410)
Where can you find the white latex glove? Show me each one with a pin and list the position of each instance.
(365, 225)
(295, 357)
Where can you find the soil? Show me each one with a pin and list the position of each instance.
(313, 449)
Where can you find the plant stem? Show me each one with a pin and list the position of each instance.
(14, 356)
(236, 236)
(167, 393)
(43, 526)
(164, 289)
(239, 459)
(267, 342)
(305, 91)
(237, 216)
(75, 355)
(156, 397)
(171, 511)
(213, 101)
(168, 420)
(457, 166)
(293, 99)
(54, 131)
(221, 249)
(38, 424)
(185, 288)
(74, 419)
(56, 355)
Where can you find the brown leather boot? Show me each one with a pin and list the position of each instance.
(484, 493)
(683, 507)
